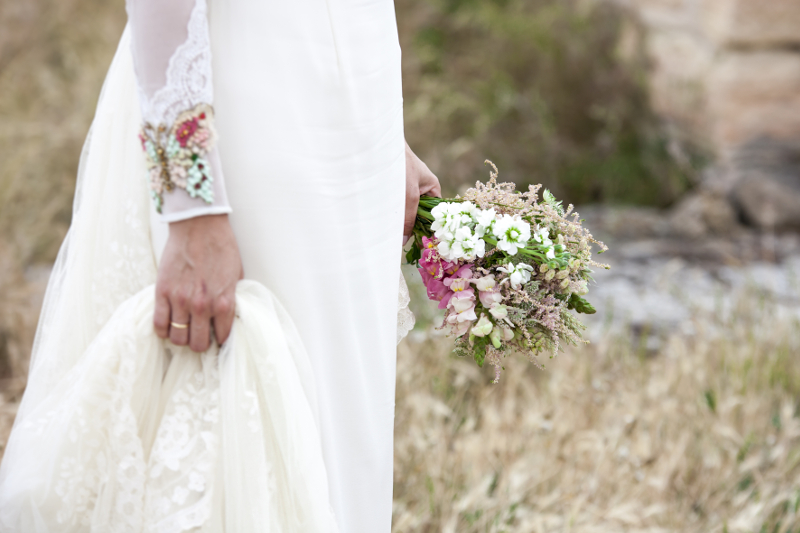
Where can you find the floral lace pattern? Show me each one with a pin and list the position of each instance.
(184, 455)
(188, 77)
(405, 318)
(177, 156)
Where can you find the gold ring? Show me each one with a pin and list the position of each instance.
(178, 326)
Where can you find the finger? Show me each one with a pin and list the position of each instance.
(199, 333)
(161, 315)
(224, 313)
(179, 315)
(200, 323)
(412, 203)
(430, 185)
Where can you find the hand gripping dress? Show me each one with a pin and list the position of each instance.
(288, 116)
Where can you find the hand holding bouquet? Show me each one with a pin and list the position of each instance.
(507, 269)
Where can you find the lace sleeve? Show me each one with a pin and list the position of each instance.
(172, 59)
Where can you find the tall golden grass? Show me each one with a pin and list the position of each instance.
(702, 436)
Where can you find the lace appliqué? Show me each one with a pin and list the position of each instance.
(405, 318)
(188, 74)
(177, 156)
(184, 455)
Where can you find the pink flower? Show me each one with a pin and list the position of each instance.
(458, 286)
(490, 297)
(185, 131)
(201, 138)
(460, 328)
(432, 262)
(436, 288)
(462, 302)
(461, 322)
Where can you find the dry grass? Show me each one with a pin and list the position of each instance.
(704, 436)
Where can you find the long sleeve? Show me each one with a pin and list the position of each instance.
(172, 59)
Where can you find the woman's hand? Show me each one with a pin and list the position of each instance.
(419, 180)
(197, 282)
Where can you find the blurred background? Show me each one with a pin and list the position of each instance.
(673, 125)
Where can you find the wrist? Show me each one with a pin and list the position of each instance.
(203, 224)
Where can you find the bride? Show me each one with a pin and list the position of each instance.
(234, 140)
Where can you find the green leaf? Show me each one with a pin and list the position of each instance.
(580, 305)
(414, 254)
(480, 350)
(550, 200)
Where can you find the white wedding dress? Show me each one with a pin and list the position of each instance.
(290, 426)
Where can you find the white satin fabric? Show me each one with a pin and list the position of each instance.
(309, 112)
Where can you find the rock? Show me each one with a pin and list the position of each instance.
(757, 23)
(703, 214)
(624, 222)
(754, 94)
(679, 63)
(767, 188)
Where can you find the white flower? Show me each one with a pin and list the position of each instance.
(444, 249)
(466, 212)
(542, 236)
(517, 275)
(441, 218)
(462, 245)
(484, 220)
(512, 233)
(468, 244)
(449, 217)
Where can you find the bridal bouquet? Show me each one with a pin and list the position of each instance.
(507, 268)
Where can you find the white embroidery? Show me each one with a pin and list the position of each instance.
(188, 77)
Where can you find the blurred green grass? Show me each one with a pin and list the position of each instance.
(553, 92)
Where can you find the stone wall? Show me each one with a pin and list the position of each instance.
(726, 73)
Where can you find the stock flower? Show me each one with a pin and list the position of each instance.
(484, 219)
(517, 275)
(512, 233)
(466, 246)
(483, 327)
(449, 217)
